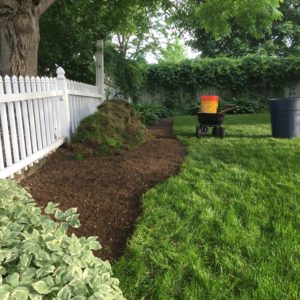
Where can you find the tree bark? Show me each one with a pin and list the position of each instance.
(20, 35)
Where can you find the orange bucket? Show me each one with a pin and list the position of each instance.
(209, 104)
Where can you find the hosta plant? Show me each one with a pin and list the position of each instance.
(38, 260)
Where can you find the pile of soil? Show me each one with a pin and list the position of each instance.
(108, 190)
(113, 128)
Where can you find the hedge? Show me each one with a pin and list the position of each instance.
(258, 75)
(243, 73)
(40, 261)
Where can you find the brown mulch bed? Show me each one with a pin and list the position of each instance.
(108, 190)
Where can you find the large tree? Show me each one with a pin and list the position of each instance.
(282, 39)
(214, 24)
(174, 53)
(20, 35)
(20, 21)
(73, 46)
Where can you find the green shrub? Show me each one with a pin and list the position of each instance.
(40, 261)
(252, 72)
(244, 106)
(151, 113)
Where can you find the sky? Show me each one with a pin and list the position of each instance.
(172, 34)
(163, 34)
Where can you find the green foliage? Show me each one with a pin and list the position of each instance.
(140, 32)
(282, 39)
(254, 16)
(174, 53)
(113, 128)
(227, 226)
(255, 72)
(38, 260)
(127, 74)
(78, 156)
(259, 76)
(73, 46)
(151, 113)
(243, 106)
(218, 16)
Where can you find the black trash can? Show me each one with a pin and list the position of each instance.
(285, 117)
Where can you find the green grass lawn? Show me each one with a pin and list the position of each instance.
(227, 227)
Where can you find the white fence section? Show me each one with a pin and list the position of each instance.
(37, 115)
(83, 101)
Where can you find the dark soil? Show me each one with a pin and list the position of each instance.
(108, 190)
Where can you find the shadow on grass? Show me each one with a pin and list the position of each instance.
(241, 121)
(229, 135)
(248, 136)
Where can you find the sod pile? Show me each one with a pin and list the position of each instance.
(115, 127)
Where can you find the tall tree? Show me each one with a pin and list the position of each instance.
(174, 53)
(282, 39)
(141, 32)
(73, 46)
(20, 35)
(214, 23)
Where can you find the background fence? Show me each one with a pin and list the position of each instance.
(37, 115)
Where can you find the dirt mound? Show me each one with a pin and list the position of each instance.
(113, 128)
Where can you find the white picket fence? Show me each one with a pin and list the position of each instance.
(37, 115)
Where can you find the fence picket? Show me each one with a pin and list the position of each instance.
(75, 102)
(1, 153)
(51, 110)
(19, 118)
(53, 84)
(37, 114)
(31, 119)
(2, 107)
(42, 114)
(25, 117)
(47, 113)
(72, 114)
(12, 121)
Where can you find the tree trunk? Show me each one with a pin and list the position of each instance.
(20, 36)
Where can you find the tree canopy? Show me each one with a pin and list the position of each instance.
(174, 53)
(73, 46)
(218, 16)
(282, 39)
(69, 29)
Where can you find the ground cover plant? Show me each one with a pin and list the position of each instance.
(38, 260)
(113, 128)
(226, 227)
(151, 113)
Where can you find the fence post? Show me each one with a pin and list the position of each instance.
(64, 108)
(100, 67)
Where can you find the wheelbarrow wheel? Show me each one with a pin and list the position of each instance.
(215, 131)
(199, 131)
(221, 132)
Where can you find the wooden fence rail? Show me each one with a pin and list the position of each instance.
(37, 115)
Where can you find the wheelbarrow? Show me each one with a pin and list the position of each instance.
(215, 121)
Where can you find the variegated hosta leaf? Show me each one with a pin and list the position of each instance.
(37, 258)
